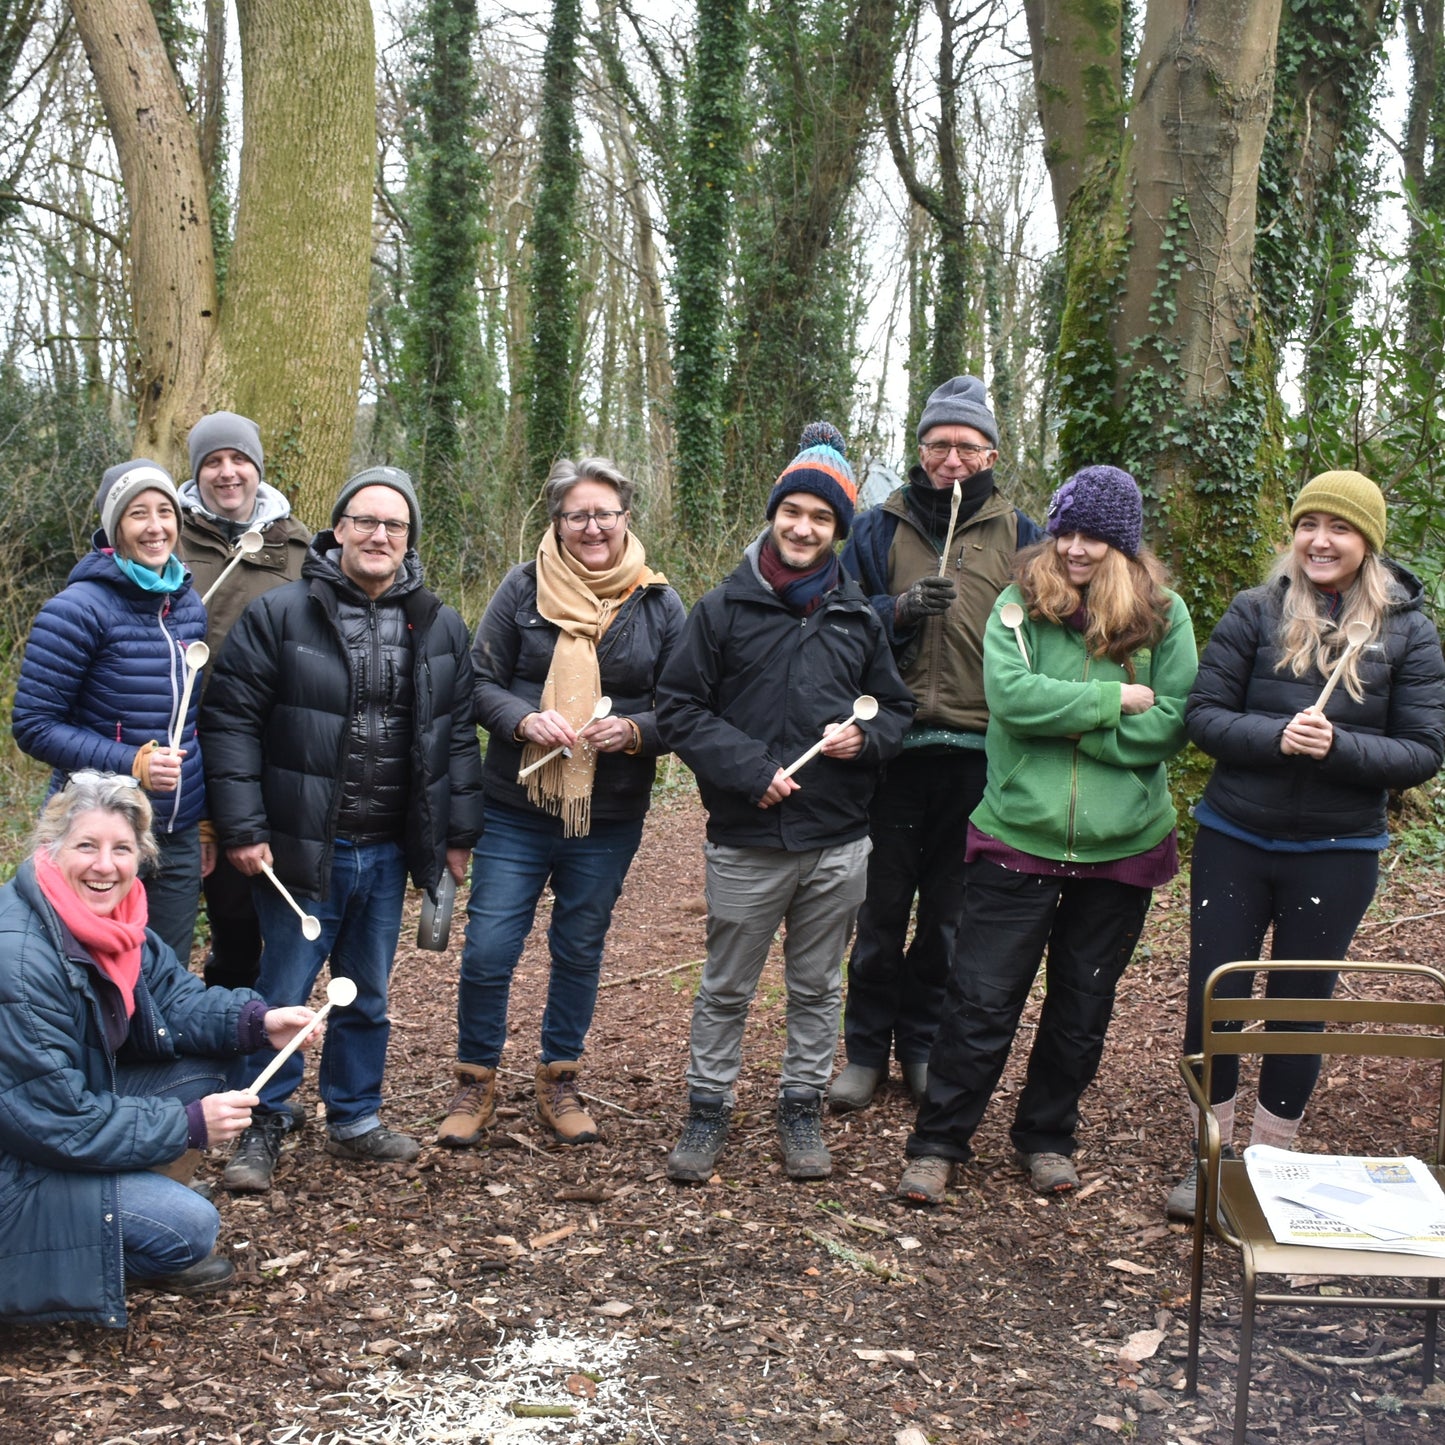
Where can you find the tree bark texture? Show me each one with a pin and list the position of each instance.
(1077, 52)
(169, 253)
(1202, 98)
(295, 307)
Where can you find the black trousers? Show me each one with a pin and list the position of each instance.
(235, 957)
(1090, 928)
(1313, 900)
(919, 826)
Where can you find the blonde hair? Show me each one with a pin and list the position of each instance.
(93, 792)
(1308, 639)
(1127, 607)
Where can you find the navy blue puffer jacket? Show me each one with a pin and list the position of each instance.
(103, 674)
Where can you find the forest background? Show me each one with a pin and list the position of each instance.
(1203, 242)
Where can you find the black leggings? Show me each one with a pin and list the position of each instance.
(1315, 902)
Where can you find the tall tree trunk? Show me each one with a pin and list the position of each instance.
(552, 283)
(286, 349)
(711, 164)
(1162, 364)
(1077, 51)
(169, 253)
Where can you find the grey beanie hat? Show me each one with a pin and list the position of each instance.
(121, 484)
(960, 402)
(224, 430)
(392, 477)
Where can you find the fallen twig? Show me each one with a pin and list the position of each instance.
(650, 973)
(1361, 1362)
(857, 1258)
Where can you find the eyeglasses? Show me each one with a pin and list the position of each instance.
(938, 451)
(94, 775)
(577, 521)
(368, 525)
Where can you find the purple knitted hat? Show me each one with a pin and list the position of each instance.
(1103, 503)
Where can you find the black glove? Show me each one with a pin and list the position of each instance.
(928, 597)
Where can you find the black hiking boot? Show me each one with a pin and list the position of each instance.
(254, 1160)
(800, 1131)
(706, 1131)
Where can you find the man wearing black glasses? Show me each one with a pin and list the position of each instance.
(344, 758)
(933, 609)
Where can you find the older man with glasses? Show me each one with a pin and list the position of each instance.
(345, 758)
(933, 608)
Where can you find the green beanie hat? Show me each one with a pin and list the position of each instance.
(1352, 497)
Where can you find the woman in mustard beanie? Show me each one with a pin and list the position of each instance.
(1292, 821)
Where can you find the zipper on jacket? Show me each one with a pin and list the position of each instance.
(1074, 780)
(173, 646)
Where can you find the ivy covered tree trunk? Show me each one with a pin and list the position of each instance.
(820, 65)
(712, 161)
(1163, 365)
(443, 371)
(552, 282)
(285, 346)
(1315, 202)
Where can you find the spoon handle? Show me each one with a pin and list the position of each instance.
(818, 746)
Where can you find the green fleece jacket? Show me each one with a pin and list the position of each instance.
(1070, 777)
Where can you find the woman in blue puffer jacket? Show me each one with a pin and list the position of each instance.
(104, 674)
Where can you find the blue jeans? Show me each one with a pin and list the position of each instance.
(360, 922)
(166, 1226)
(514, 858)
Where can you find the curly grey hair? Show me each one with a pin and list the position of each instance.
(92, 792)
(566, 473)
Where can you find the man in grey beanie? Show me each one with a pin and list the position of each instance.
(919, 817)
(226, 496)
(340, 751)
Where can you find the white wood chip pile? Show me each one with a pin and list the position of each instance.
(417, 1407)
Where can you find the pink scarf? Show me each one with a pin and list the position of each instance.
(113, 941)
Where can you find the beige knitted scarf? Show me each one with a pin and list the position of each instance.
(582, 604)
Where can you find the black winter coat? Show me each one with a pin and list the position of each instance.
(752, 686)
(1240, 704)
(511, 657)
(277, 715)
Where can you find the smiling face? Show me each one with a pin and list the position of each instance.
(98, 859)
(803, 530)
(147, 530)
(952, 465)
(1081, 556)
(371, 557)
(596, 550)
(1329, 550)
(227, 481)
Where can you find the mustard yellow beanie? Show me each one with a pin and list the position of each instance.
(1351, 496)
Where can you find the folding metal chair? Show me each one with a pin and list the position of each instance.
(1227, 1206)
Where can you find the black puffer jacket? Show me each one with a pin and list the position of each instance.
(1240, 705)
(512, 656)
(279, 714)
(752, 686)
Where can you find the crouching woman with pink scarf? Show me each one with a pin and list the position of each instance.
(111, 1072)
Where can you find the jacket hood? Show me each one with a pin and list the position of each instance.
(323, 564)
(271, 506)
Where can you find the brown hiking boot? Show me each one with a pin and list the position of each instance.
(473, 1107)
(559, 1106)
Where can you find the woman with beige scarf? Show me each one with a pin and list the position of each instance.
(587, 619)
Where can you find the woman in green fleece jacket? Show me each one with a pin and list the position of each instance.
(1088, 660)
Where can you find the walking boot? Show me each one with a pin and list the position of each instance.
(800, 1131)
(254, 1159)
(854, 1088)
(694, 1156)
(473, 1108)
(559, 1106)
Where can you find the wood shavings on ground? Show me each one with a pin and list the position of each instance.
(474, 1405)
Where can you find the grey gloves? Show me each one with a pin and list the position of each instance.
(928, 597)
